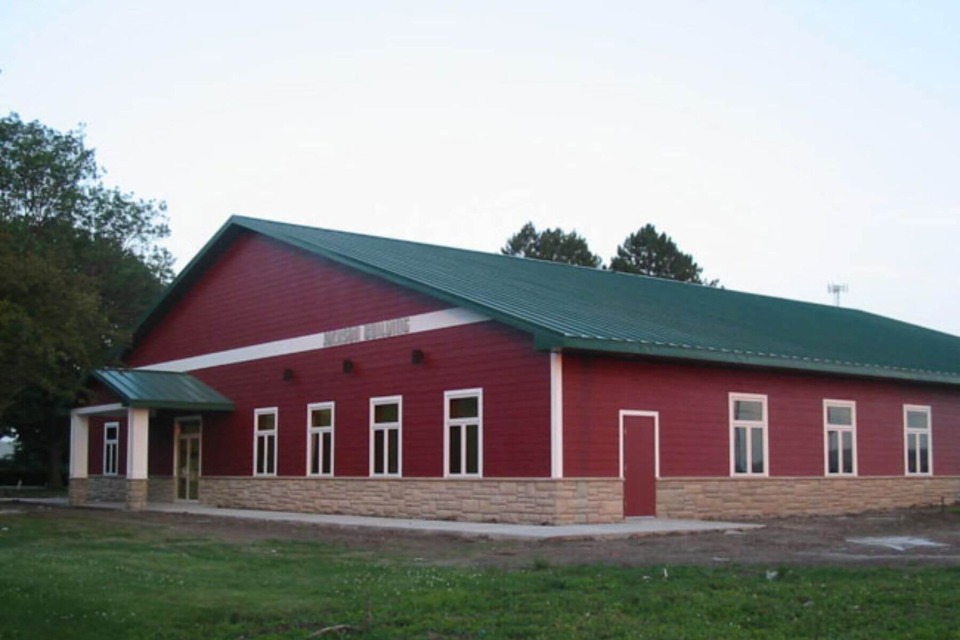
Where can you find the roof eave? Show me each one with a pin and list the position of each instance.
(146, 403)
(683, 352)
(544, 338)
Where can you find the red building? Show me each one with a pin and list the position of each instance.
(302, 369)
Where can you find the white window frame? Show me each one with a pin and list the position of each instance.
(450, 423)
(840, 429)
(271, 433)
(108, 444)
(319, 432)
(386, 427)
(749, 425)
(908, 431)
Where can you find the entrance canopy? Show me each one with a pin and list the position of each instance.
(142, 388)
(140, 392)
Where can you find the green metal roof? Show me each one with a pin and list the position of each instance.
(567, 307)
(162, 390)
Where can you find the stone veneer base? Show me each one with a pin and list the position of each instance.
(525, 501)
(77, 491)
(534, 501)
(106, 489)
(136, 494)
(161, 489)
(759, 497)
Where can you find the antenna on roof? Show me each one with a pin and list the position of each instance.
(835, 290)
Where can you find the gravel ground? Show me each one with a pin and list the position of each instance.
(888, 538)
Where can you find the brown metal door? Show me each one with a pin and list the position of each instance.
(639, 466)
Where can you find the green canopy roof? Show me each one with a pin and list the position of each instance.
(162, 390)
(567, 307)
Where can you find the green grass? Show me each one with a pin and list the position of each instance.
(72, 577)
(31, 492)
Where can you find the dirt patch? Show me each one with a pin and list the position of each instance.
(825, 540)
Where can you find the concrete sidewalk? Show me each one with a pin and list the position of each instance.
(629, 528)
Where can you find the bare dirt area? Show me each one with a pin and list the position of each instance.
(887, 538)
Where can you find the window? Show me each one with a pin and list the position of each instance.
(320, 439)
(463, 436)
(386, 417)
(916, 426)
(111, 448)
(840, 437)
(748, 434)
(265, 442)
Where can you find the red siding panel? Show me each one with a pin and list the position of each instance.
(95, 445)
(694, 424)
(259, 291)
(160, 454)
(514, 378)
(946, 436)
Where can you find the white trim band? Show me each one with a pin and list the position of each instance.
(381, 330)
(114, 408)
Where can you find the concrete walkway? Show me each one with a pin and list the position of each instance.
(629, 528)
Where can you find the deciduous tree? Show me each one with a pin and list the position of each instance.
(79, 263)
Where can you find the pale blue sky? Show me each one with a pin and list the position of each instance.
(784, 144)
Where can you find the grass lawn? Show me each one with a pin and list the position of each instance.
(72, 577)
(31, 492)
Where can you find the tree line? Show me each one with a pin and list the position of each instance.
(645, 252)
(80, 262)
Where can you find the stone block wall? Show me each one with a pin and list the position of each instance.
(161, 489)
(107, 489)
(526, 501)
(759, 497)
(136, 493)
(535, 501)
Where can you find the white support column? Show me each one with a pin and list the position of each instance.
(138, 436)
(556, 414)
(79, 458)
(79, 444)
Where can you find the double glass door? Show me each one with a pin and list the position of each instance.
(188, 459)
